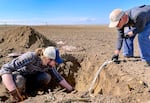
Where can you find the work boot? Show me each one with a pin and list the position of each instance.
(147, 64)
(15, 96)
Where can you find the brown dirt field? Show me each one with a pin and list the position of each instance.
(84, 49)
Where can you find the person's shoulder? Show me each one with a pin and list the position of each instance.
(28, 55)
(140, 8)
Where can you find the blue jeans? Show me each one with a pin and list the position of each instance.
(128, 47)
(144, 43)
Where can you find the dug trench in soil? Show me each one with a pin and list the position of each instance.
(112, 80)
(80, 69)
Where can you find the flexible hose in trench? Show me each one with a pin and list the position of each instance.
(96, 75)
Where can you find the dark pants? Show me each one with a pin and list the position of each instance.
(33, 82)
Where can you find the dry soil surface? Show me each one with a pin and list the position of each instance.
(84, 49)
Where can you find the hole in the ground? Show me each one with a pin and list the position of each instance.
(69, 69)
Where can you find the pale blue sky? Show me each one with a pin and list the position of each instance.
(58, 12)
